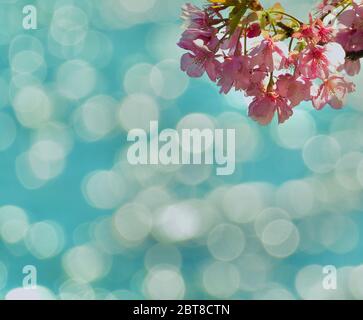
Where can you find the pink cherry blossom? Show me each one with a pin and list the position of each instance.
(326, 6)
(263, 108)
(350, 39)
(324, 33)
(233, 73)
(333, 92)
(190, 35)
(350, 32)
(315, 32)
(253, 30)
(233, 43)
(318, 61)
(253, 82)
(294, 89)
(347, 18)
(269, 55)
(313, 63)
(239, 50)
(194, 17)
(202, 59)
(307, 31)
(351, 67)
(291, 61)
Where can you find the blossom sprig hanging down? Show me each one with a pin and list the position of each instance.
(273, 57)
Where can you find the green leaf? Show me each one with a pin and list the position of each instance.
(236, 15)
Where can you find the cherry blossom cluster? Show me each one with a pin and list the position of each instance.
(276, 59)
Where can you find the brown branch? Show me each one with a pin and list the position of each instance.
(289, 31)
(354, 55)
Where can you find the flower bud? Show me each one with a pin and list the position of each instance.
(255, 5)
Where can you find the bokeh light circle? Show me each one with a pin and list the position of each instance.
(226, 242)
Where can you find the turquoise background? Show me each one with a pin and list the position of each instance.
(74, 197)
